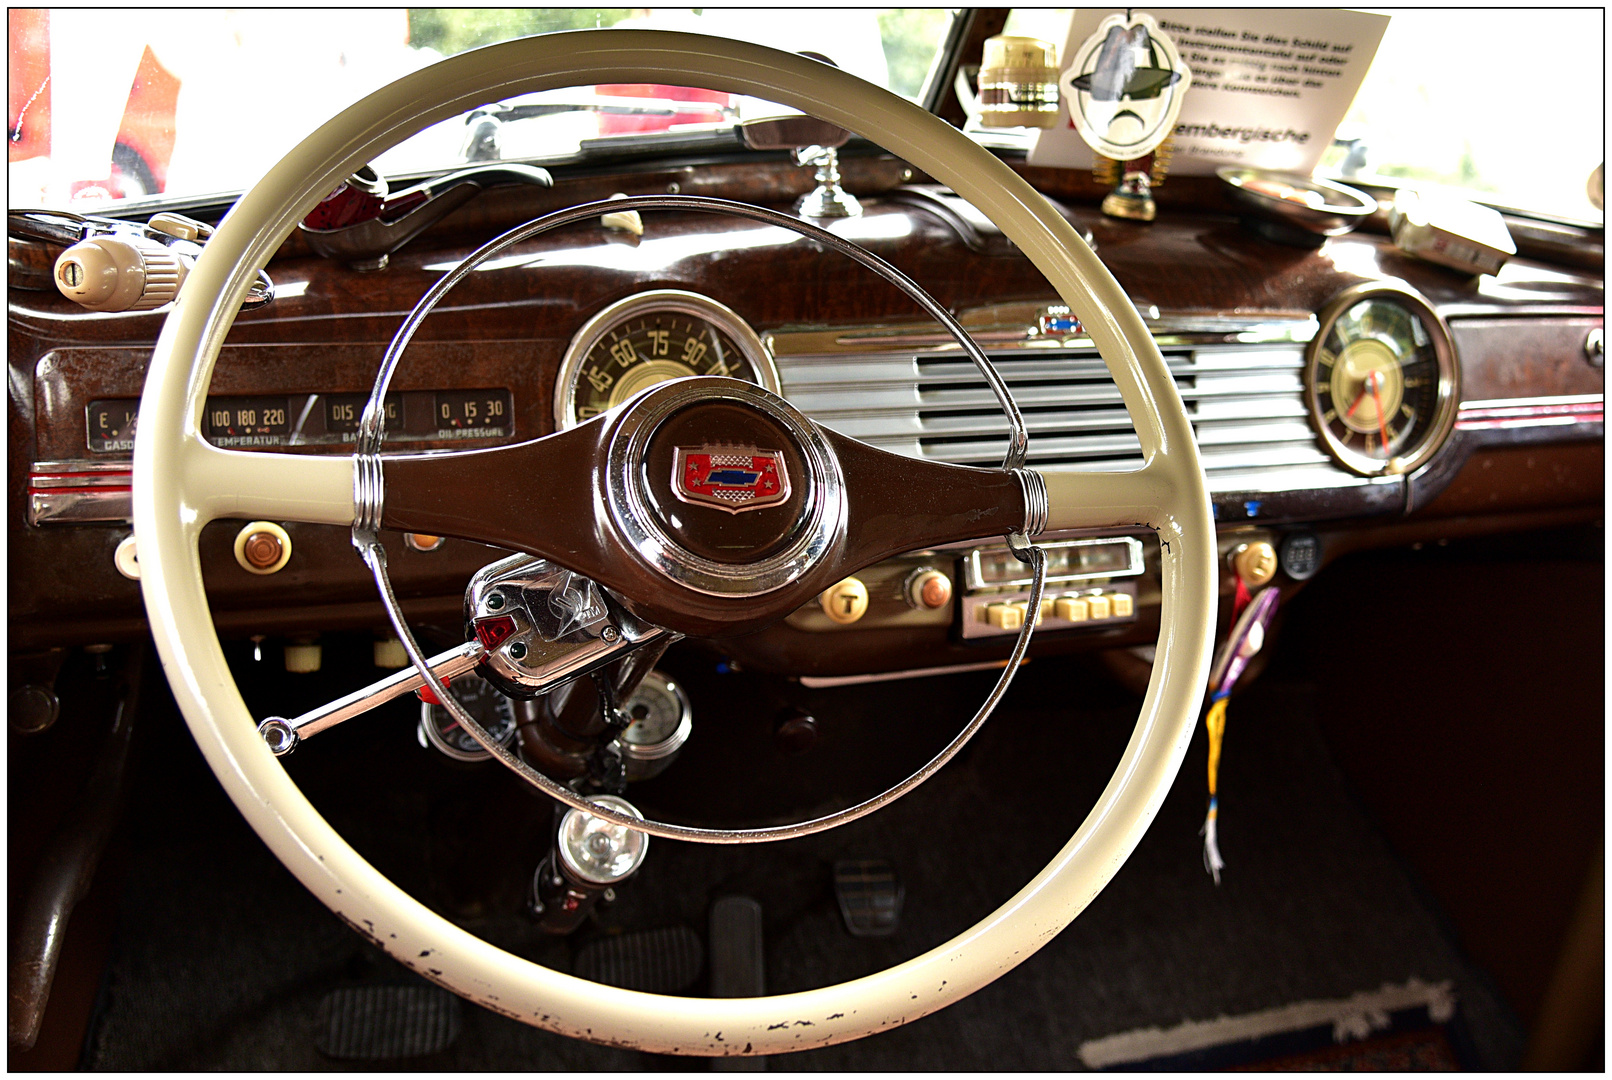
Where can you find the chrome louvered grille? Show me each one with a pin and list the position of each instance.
(1245, 401)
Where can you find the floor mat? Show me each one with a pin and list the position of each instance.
(1312, 907)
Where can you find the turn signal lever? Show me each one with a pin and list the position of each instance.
(361, 223)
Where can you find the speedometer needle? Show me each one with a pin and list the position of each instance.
(1374, 381)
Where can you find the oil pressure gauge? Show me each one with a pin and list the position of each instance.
(1381, 381)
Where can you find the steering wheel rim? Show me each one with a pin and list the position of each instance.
(181, 483)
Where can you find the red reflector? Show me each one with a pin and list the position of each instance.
(429, 696)
(495, 631)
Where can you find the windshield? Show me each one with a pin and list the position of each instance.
(112, 104)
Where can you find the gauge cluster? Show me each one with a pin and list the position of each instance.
(252, 421)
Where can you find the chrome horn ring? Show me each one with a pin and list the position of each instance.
(825, 513)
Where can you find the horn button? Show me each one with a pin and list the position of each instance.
(726, 482)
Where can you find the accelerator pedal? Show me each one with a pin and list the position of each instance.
(382, 1023)
(663, 961)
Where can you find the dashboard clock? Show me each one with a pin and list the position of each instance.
(648, 339)
(1380, 380)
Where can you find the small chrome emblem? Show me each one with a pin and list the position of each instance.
(731, 478)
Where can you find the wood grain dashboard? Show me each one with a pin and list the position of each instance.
(1520, 337)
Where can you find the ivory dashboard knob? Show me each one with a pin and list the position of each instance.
(846, 602)
(1255, 563)
(117, 273)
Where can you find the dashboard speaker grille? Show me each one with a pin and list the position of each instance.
(1246, 404)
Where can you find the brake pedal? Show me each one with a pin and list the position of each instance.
(737, 967)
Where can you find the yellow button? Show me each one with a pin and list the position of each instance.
(1101, 607)
(1072, 608)
(846, 602)
(1005, 616)
(1124, 605)
(1023, 608)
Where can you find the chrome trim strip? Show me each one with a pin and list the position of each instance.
(1533, 402)
(80, 467)
(1015, 326)
(78, 506)
(823, 682)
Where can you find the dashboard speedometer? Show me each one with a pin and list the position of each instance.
(648, 339)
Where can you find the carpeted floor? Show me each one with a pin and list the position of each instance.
(221, 959)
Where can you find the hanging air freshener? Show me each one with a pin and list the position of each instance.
(1247, 637)
(1125, 90)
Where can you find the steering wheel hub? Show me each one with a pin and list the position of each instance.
(723, 487)
(725, 482)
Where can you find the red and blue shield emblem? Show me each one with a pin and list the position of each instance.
(731, 478)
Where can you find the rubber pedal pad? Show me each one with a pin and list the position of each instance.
(663, 961)
(737, 964)
(381, 1023)
(869, 895)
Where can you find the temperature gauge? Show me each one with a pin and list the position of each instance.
(492, 710)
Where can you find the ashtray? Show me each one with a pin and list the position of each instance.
(1293, 209)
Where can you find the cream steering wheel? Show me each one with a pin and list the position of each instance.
(181, 483)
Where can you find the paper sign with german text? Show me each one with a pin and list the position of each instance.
(1269, 86)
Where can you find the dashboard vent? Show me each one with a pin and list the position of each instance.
(1246, 403)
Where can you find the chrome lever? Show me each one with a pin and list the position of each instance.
(361, 224)
(283, 735)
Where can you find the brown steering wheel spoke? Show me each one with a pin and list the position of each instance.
(708, 506)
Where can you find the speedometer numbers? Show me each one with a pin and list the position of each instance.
(648, 339)
(1381, 381)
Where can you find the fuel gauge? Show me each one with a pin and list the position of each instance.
(492, 710)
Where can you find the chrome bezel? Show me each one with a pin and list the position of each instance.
(428, 728)
(646, 760)
(1445, 406)
(819, 526)
(974, 571)
(658, 300)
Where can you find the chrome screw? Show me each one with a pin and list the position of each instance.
(609, 635)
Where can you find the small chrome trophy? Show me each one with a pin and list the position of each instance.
(1125, 89)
